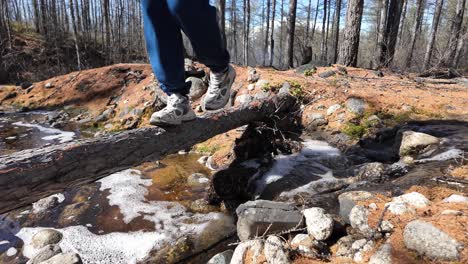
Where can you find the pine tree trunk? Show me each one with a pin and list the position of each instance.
(402, 23)
(267, 33)
(460, 48)
(313, 28)
(272, 35)
(381, 45)
(349, 49)
(416, 29)
(281, 62)
(222, 18)
(234, 29)
(72, 14)
(306, 36)
(455, 32)
(108, 28)
(390, 33)
(337, 30)
(328, 30)
(246, 31)
(432, 37)
(324, 23)
(291, 31)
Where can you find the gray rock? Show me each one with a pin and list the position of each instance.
(45, 204)
(252, 75)
(374, 121)
(261, 95)
(383, 255)
(244, 99)
(344, 246)
(49, 85)
(430, 241)
(45, 253)
(64, 258)
(415, 143)
(455, 198)
(372, 172)
(239, 253)
(260, 84)
(275, 252)
(327, 74)
(222, 258)
(197, 89)
(316, 120)
(105, 115)
(319, 223)
(305, 244)
(46, 237)
(386, 227)
(332, 109)
(356, 105)
(256, 216)
(348, 200)
(197, 179)
(360, 247)
(359, 221)
(405, 203)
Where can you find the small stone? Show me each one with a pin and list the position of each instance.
(49, 85)
(45, 253)
(251, 87)
(332, 109)
(261, 84)
(386, 227)
(199, 109)
(256, 217)
(356, 105)
(399, 208)
(64, 258)
(374, 121)
(455, 198)
(203, 159)
(415, 143)
(285, 89)
(344, 246)
(327, 74)
(252, 75)
(222, 258)
(261, 95)
(275, 252)
(197, 180)
(45, 204)
(243, 99)
(358, 219)
(372, 172)
(319, 223)
(383, 255)
(46, 237)
(452, 212)
(348, 200)
(413, 199)
(197, 88)
(316, 120)
(430, 241)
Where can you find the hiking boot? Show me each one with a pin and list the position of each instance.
(219, 89)
(178, 110)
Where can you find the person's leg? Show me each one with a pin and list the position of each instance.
(165, 46)
(199, 22)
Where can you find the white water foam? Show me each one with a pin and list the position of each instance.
(57, 134)
(312, 150)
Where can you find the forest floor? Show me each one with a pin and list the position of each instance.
(343, 106)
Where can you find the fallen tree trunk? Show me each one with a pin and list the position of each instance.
(29, 175)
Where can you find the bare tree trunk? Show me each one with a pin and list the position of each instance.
(416, 29)
(337, 30)
(37, 18)
(234, 29)
(349, 49)
(461, 45)
(313, 28)
(108, 28)
(324, 23)
(328, 30)
(291, 31)
(222, 18)
(246, 31)
(402, 23)
(390, 33)
(72, 14)
(267, 33)
(455, 31)
(272, 35)
(306, 36)
(432, 37)
(381, 33)
(281, 62)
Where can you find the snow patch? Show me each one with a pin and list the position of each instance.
(11, 252)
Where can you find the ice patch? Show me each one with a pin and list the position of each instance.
(311, 150)
(62, 136)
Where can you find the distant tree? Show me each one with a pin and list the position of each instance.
(272, 35)
(291, 32)
(455, 32)
(432, 35)
(349, 49)
(387, 45)
(336, 22)
(222, 18)
(267, 33)
(323, 39)
(246, 31)
(415, 31)
(234, 29)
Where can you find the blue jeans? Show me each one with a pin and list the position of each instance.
(163, 22)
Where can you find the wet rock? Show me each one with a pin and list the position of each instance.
(359, 221)
(49, 85)
(45, 253)
(64, 258)
(332, 109)
(46, 237)
(383, 255)
(197, 89)
(252, 75)
(197, 179)
(239, 253)
(275, 252)
(455, 198)
(244, 99)
(316, 120)
(319, 223)
(255, 217)
(305, 244)
(430, 241)
(45, 204)
(356, 105)
(348, 200)
(404, 203)
(372, 172)
(415, 143)
(222, 258)
(327, 74)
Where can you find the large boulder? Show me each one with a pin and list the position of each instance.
(45, 253)
(415, 143)
(348, 200)
(359, 220)
(319, 223)
(255, 217)
(64, 258)
(430, 241)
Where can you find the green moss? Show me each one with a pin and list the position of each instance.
(297, 90)
(271, 87)
(310, 72)
(354, 131)
(206, 149)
